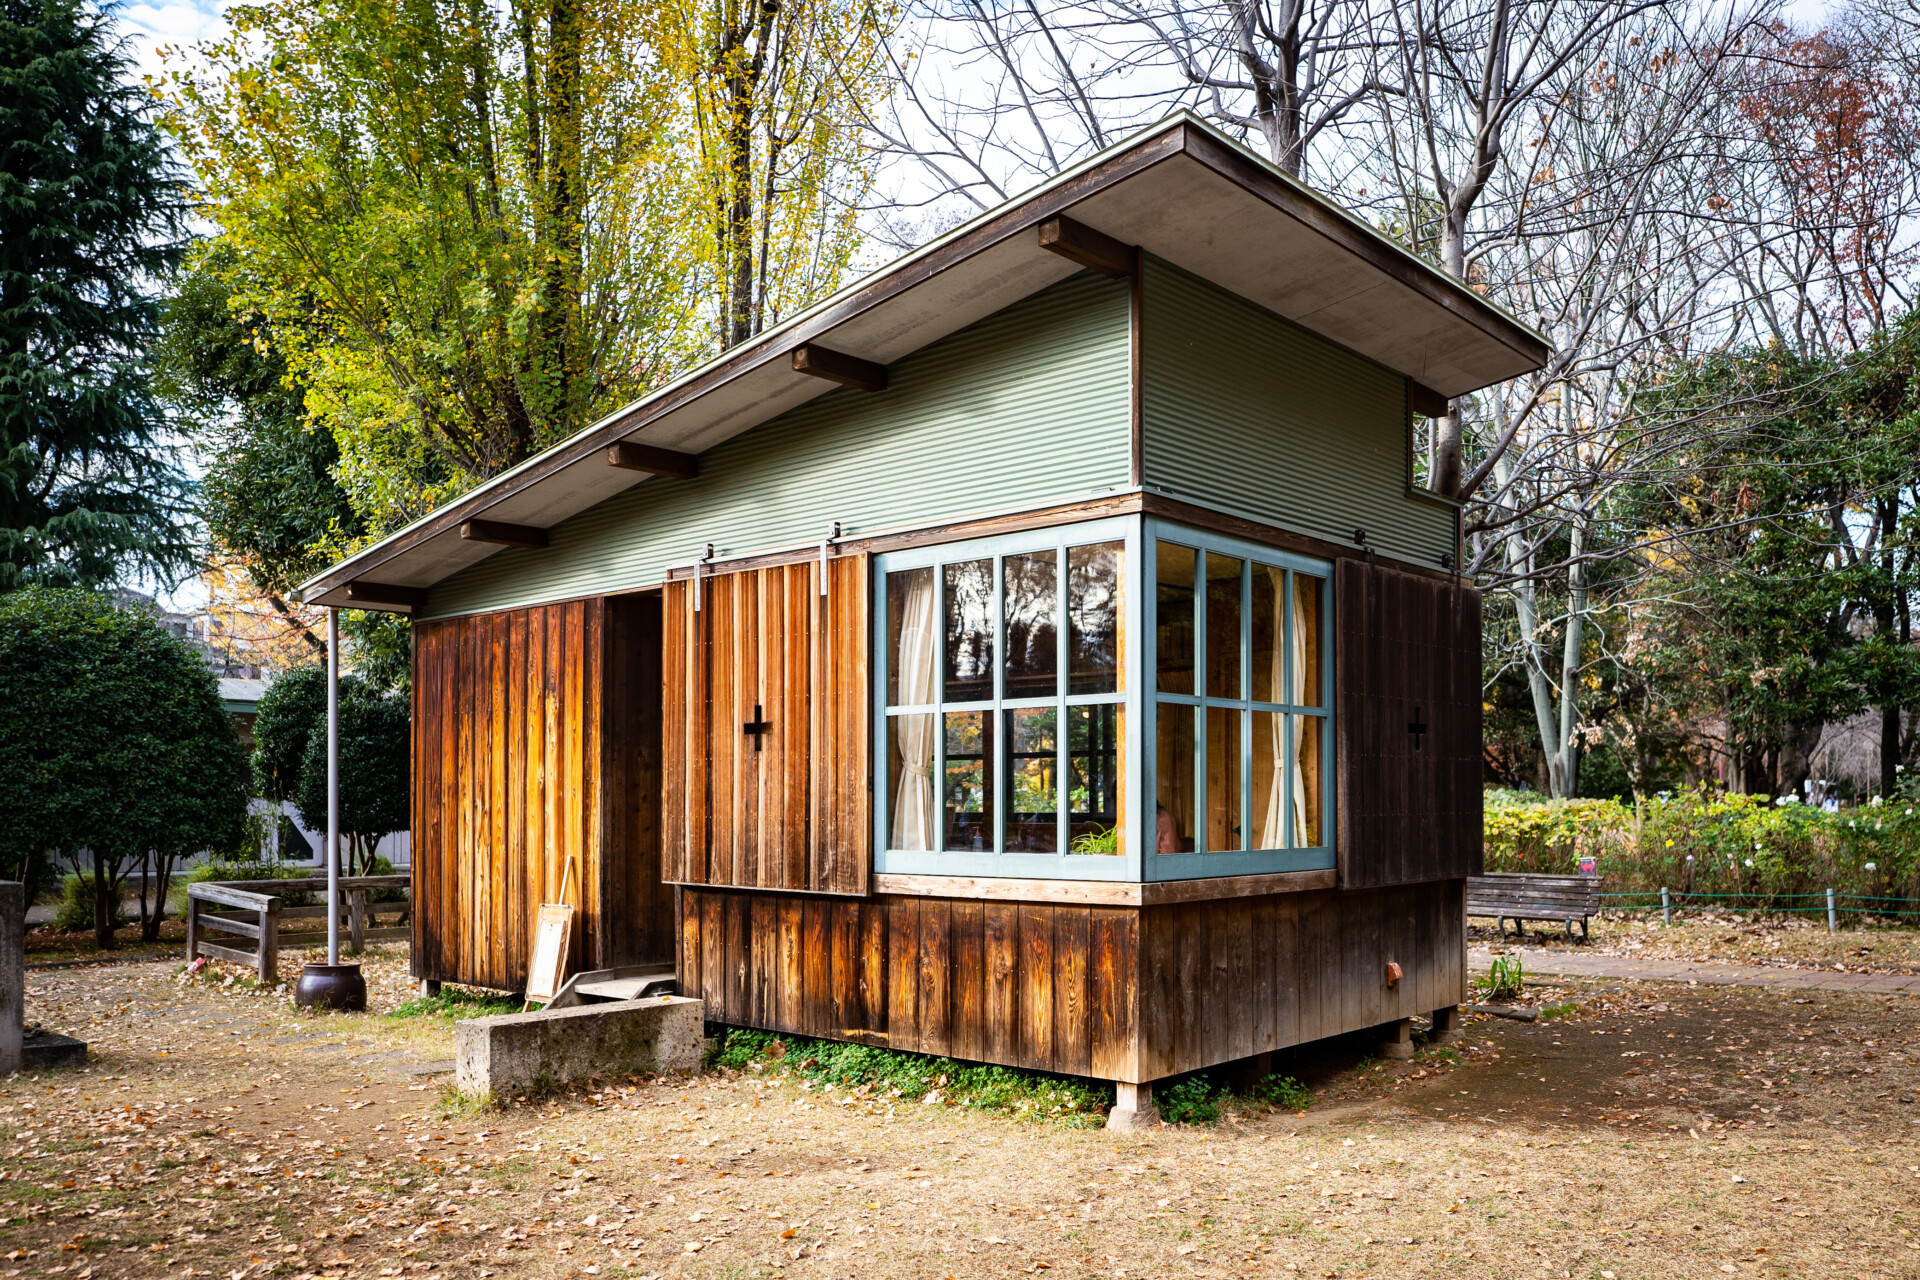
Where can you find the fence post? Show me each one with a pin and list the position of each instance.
(193, 926)
(357, 919)
(1833, 923)
(1666, 907)
(269, 959)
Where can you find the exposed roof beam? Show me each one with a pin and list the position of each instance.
(629, 456)
(1425, 401)
(506, 535)
(1078, 242)
(386, 593)
(838, 366)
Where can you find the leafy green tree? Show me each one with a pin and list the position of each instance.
(376, 761)
(114, 746)
(289, 713)
(93, 214)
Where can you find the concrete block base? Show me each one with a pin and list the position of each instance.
(1396, 1040)
(45, 1051)
(1133, 1109)
(551, 1047)
(1446, 1026)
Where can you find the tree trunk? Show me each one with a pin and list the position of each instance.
(105, 906)
(161, 883)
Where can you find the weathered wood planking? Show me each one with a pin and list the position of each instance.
(1120, 993)
(530, 749)
(786, 808)
(1408, 805)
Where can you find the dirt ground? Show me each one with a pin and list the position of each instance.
(1656, 1130)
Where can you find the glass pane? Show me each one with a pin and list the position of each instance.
(1033, 792)
(1033, 625)
(1307, 676)
(1093, 618)
(1308, 806)
(910, 745)
(910, 640)
(969, 591)
(1223, 779)
(1096, 764)
(1269, 632)
(1173, 617)
(1173, 766)
(1269, 780)
(968, 822)
(1223, 627)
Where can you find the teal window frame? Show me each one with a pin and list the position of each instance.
(1154, 705)
(1064, 865)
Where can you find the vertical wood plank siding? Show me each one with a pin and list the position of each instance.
(1026, 407)
(789, 812)
(1119, 993)
(1409, 805)
(1246, 410)
(521, 764)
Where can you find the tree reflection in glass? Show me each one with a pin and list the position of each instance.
(969, 622)
(967, 806)
(1033, 768)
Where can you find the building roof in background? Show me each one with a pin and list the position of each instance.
(241, 696)
(1180, 190)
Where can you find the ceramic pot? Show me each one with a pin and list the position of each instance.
(331, 986)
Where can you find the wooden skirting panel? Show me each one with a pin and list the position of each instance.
(1118, 993)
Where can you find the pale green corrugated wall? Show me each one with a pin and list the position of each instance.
(1247, 411)
(1026, 407)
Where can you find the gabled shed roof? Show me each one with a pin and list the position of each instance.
(1180, 190)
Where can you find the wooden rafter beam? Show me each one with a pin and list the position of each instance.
(1425, 401)
(506, 535)
(1095, 250)
(838, 366)
(387, 593)
(629, 456)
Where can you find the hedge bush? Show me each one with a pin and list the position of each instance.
(1745, 852)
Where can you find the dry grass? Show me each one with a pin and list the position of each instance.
(1654, 1132)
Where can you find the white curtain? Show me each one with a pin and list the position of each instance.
(1302, 725)
(913, 798)
(1272, 828)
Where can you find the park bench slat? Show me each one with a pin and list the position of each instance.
(1523, 896)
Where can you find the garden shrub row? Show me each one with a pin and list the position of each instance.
(1713, 848)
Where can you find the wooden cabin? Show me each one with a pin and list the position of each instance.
(1037, 653)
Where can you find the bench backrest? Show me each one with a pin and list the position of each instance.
(1571, 895)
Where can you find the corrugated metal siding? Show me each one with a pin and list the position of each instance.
(1025, 407)
(1248, 411)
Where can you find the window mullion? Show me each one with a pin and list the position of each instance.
(1063, 801)
(939, 705)
(1002, 771)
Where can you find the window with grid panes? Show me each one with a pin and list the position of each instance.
(1241, 706)
(1004, 741)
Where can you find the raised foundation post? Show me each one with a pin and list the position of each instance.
(1446, 1025)
(1133, 1109)
(1396, 1039)
(429, 987)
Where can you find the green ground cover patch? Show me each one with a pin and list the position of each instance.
(1026, 1095)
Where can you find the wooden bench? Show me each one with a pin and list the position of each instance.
(1521, 896)
(254, 909)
